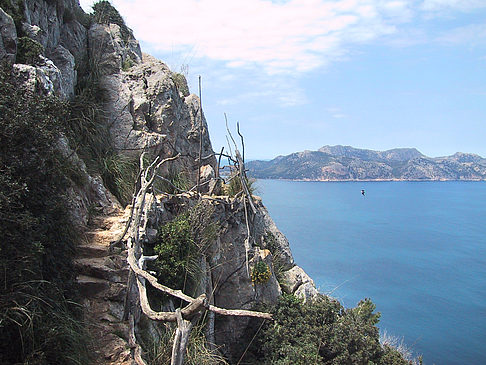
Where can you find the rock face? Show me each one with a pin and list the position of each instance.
(8, 38)
(228, 282)
(343, 163)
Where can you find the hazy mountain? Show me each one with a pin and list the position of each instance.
(337, 163)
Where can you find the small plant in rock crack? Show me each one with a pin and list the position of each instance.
(260, 273)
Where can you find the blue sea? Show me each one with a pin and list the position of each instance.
(417, 249)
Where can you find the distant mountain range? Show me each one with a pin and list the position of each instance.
(345, 163)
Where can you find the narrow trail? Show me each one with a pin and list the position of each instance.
(102, 283)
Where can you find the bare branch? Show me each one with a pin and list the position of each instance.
(242, 141)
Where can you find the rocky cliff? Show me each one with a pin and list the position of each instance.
(52, 48)
(344, 163)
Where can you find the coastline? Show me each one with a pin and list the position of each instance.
(374, 180)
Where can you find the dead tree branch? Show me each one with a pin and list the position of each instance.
(185, 317)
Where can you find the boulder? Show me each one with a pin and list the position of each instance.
(296, 281)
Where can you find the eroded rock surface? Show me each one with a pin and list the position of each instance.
(8, 38)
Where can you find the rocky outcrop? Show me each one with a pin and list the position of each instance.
(296, 281)
(228, 282)
(344, 163)
(144, 107)
(8, 38)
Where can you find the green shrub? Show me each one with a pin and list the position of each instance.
(158, 351)
(234, 186)
(127, 64)
(119, 172)
(177, 182)
(181, 83)
(28, 51)
(175, 247)
(320, 331)
(260, 273)
(279, 265)
(180, 245)
(105, 13)
(39, 322)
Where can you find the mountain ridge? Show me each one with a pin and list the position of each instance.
(346, 163)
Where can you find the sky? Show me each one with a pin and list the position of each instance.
(301, 74)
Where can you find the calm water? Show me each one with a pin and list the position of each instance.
(417, 249)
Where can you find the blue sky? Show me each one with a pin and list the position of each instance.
(301, 74)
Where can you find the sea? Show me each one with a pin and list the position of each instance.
(416, 249)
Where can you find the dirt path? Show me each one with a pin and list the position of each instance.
(102, 281)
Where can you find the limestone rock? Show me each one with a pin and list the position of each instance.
(8, 38)
(45, 78)
(271, 237)
(64, 61)
(145, 110)
(296, 281)
(109, 50)
(74, 37)
(47, 16)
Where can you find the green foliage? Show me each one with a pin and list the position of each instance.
(177, 182)
(38, 323)
(320, 331)
(271, 244)
(119, 173)
(105, 13)
(127, 64)
(158, 351)
(175, 247)
(181, 83)
(260, 273)
(234, 187)
(180, 244)
(28, 51)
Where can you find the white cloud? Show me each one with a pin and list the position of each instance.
(280, 37)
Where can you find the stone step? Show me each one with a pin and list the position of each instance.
(100, 236)
(90, 286)
(92, 250)
(102, 268)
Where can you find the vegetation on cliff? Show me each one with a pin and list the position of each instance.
(322, 331)
(39, 322)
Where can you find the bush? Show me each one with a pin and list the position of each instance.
(158, 350)
(234, 186)
(181, 83)
(39, 322)
(127, 64)
(320, 331)
(260, 273)
(119, 173)
(180, 245)
(105, 13)
(28, 51)
(175, 247)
